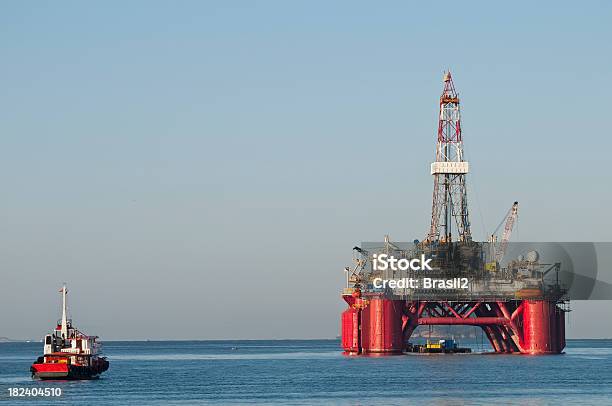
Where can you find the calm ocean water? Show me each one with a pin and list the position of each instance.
(315, 372)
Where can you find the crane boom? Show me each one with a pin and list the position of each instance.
(510, 220)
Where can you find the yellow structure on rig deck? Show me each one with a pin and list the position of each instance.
(491, 266)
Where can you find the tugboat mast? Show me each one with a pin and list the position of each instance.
(64, 292)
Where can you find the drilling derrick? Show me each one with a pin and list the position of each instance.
(449, 171)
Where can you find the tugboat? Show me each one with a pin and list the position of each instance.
(68, 353)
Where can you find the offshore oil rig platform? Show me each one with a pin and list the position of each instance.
(518, 303)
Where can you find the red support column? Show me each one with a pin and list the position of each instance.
(541, 327)
(351, 340)
(351, 323)
(381, 330)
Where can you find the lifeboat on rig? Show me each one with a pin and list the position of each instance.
(68, 353)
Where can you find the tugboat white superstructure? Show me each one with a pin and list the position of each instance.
(68, 353)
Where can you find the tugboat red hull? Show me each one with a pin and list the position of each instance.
(68, 372)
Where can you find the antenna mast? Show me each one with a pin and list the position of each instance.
(64, 292)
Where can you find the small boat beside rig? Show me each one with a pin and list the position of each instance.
(447, 346)
(68, 353)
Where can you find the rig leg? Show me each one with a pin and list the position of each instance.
(381, 331)
(543, 327)
(351, 326)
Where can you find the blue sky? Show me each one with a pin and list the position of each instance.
(214, 162)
